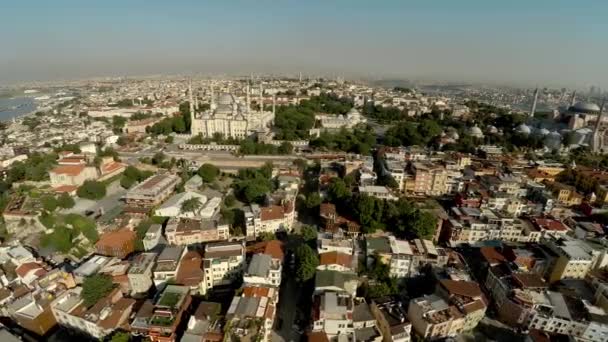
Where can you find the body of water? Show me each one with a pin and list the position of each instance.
(13, 107)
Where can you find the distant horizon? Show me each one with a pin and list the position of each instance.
(518, 43)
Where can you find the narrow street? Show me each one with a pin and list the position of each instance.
(287, 310)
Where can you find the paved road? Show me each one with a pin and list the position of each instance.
(114, 194)
(288, 301)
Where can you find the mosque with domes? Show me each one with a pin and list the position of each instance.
(327, 122)
(231, 117)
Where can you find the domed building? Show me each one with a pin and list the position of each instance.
(231, 117)
(523, 129)
(582, 114)
(476, 132)
(543, 132)
(553, 140)
(328, 122)
(492, 129)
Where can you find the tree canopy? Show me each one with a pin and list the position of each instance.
(208, 172)
(306, 263)
(92, 190)
(95, 287)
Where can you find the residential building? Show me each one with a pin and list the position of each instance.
(119, 243)
(263, 270)
(158, 319)
(190, 272)
(380, 192)
(172, 207)
(575, 259)
(336, 281)
(428, 179)
(185, 231)
(98, 321)
(391, 320)
(433, 318)
(167, 264)
(153, 237)
(206, 324)
(222, 262)
(467, 297)
(270, 219)
(336, 261)
(251, 315)
(141, 273)
(333, 314)
(152, 191)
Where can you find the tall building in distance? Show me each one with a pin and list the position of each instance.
(231, 117)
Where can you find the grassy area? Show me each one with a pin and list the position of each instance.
(169, 299)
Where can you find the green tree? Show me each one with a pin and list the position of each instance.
(285, 148)
(191, 205)
(60, 239)
(266, 236)
(95, 287)
(158, 158)
(337, 190)
(229, 200)
(308, 233)
(92, 190)
(65, 201)
(120, 336)
(306, 263)
(208, 172)
(313, 200)
(423, 224)
(49, 203)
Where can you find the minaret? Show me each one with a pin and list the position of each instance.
(274, 103)
(212, 101)
(261, 98)
(533, 109)
(596, 139)
(248, 99)
(573, 99)
(190, 97)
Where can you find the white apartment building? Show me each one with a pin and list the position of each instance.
(263, 270)
(140, 274)
(222, 262)
(335, 312)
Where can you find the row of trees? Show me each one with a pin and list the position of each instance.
(35, 168)
(65, 228)
(92, 190)
(63, 201)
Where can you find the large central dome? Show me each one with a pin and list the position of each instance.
(585, 107)
(225, 99)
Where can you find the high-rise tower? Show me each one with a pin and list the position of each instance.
(533, 109)
(596, 138)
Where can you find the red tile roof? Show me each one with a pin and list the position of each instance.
(274, 248)
(335, 258)
(26, 268)
(492, 256)
(549, 224)
(70, 170)
(256, 291)
(190, 271)
(462, 288)
(273, 212)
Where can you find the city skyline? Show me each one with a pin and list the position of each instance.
(519, 43)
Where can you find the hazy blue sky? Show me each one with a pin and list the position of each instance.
(550, 42)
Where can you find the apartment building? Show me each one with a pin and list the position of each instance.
(467, 297)
(332, 314)
(575, 259)
(98, 321)
(433, 318)
(252, 314)
(159, 318)
(152, 191)
(222, 262)
(263, 270)
(186, 231)
(428, 179)
(141, 273)
(380, 192)
(336, 261)
(270, 219)
(119, 243)
(167, 264)
(153, 237)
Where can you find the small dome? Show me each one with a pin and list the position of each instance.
(523, 129)
(352, 113)
(543, 131)
(225, 99)
(475, 131)
(454, 135)
(554, 135)
(492, 129)
(585, 107)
